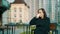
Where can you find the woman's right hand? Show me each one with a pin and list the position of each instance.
(37, 16)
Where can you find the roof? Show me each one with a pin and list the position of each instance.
(20, 2)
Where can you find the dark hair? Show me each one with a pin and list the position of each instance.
(43, 10)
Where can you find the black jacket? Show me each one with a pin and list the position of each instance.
(42, 25)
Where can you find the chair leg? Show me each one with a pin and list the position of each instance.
(50, 32)
(56, 31)
(3, 32)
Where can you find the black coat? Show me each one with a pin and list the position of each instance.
(42, 25)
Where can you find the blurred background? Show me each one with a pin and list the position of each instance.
(22, 11)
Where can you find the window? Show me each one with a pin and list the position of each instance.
(14, 15)
(20, 15)
(20, 20)
(58, 10)
(14, 9)
(15, 20)
(20, 9)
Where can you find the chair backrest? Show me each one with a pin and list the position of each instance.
(53, 26)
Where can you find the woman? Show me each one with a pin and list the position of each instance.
(42, 22)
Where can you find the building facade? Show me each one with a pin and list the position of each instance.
(18, 12)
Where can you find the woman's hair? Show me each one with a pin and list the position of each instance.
(43, 10)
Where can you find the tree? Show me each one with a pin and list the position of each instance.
(4, 5)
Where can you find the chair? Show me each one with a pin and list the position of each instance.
(53, 28)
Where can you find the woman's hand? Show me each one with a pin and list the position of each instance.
(38, 15)
(33, 27)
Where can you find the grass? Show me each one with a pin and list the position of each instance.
(30, 32)
(27, 32)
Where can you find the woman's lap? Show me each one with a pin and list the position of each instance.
(40, 32)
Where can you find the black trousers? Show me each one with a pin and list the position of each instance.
(40, 32)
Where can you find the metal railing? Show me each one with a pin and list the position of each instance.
(25, 28)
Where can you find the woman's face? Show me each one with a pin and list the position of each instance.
(41, 13)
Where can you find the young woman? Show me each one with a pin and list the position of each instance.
(42, 22)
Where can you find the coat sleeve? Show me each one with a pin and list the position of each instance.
(32, 22)
(48, 25)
